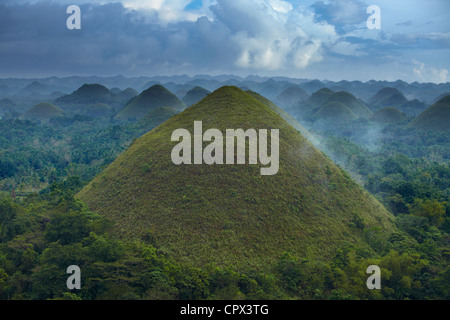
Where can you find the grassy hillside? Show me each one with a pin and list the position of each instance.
(42, 112)
(155, 97)
(435, 118)
(286, 116)
(154, 118)
(230, 215)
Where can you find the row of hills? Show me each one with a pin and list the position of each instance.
(323, 108)
(27, 92)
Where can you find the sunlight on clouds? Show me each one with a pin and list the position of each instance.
(281, 6)
(275, 37)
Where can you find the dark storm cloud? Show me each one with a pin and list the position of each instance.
(112, 40)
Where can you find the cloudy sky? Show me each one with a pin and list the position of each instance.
(314, 39)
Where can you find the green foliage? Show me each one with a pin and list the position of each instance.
(433, 210)
(66, 227)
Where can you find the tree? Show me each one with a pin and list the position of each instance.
(433, 210)
(68, 227)
(7, 213)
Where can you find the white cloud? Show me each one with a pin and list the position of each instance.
(271, 35)
(281, 6)
(429, 74)
(169, 11)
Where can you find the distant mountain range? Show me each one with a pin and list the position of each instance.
(269, 87)
(324, 108)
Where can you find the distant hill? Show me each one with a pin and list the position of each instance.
(155, 97)
(313, 86)
(35, 87)
(42, 112)
(195, 95)
(335, 113)
(351, 102)
(230, 215)
(271, 88)
(290, 97)
(127, 94)
(388, 97)
(392, 97)
(88, 94)
(312, 104)
(388, 115)
(319, 97)
(435, 118)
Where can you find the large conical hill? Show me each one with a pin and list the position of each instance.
(231, 215)
(155, 117)
(154, 97)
